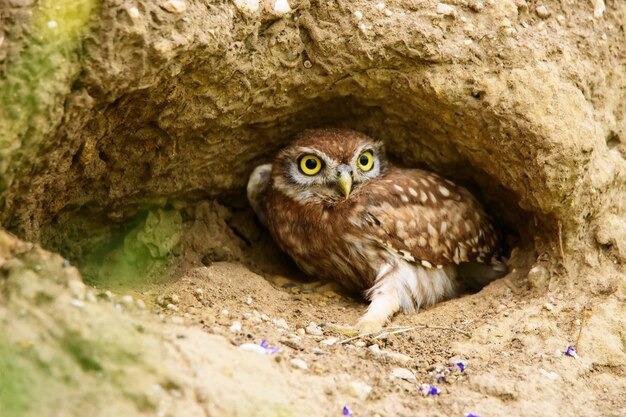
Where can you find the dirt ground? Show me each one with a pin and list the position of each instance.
(512, 347)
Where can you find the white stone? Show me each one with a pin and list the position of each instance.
(358, 15)
(77, 303)
(175, 6)
(52, 24)
(549, 374)
(598, 9)
(402, 373)
(445, 9)
(314, 330)
(281, 7)
(329, 342)
(359, 390)
(133, 12)
(235, 327)
(127, 300)
(281, 323)
(251, 347)
(298, 364)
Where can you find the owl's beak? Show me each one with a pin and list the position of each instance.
(345, 183)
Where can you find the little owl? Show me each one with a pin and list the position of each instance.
(406, 237)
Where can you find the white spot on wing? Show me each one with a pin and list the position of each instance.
(444, 191)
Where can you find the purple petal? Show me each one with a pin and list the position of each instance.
(268, 348)
(471, 415)
(346, 411)
(571, 351)
(433, 390)
(461, 366)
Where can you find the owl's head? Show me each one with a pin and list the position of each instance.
(327, 165)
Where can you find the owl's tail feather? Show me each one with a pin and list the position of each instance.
(475, 275)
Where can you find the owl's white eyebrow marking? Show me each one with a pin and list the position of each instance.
(307, 150)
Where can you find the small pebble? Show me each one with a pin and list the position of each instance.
(395, 357)
(140, 304)
(359, 390)
(445, 9)
(281, 7)
(301, 331)
(171, 307)
(298, 364)
(91, 296)
(126, 300)
(402, 373)
(198, 292)
(265, 317)
(360, 343)
(548, 374)
(77, 303)
(249, 300)
(252, 347)
(548, 306)
(538, 276)
(235, 327)
(542, 11)
(133, 12)
(476, 5)
(388, 13)
(358, 14)
(380, 6)
(281, 323)
(173, 298)
(175, 6)
(224, 313)
(52, 24)
(314, 330)
(329, 342)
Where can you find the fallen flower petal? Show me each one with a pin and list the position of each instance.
(346, 411)
(571, 351)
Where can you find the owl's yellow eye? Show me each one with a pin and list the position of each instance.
(366, 161)
(310, 164)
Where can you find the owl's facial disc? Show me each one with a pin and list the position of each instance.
(344, 179)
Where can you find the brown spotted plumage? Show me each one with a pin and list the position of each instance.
(333, 203)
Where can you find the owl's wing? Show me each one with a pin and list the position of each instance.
(258, 185)
(426, 219)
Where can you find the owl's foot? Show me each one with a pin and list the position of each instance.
(367, 325)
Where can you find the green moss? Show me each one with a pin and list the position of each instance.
(17, 391)
(139, 255)
(83, 352)
(37, 80)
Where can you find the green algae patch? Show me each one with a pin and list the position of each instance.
(17, 385)
(38, 79)
(141, 255)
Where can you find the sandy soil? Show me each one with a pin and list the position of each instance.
(512, 346)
